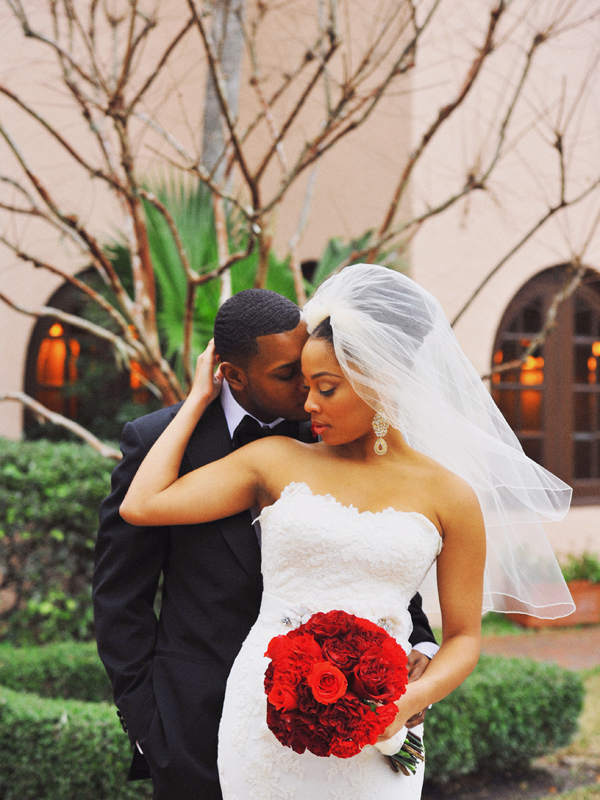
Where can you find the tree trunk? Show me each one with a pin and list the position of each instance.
(228, 37)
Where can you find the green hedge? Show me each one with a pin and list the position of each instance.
(63, 750)
(507, 713)
(67, 670)
(49, 499)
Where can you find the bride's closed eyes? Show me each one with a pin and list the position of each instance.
(323, 392)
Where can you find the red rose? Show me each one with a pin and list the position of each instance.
(327, 682)
(269, 677)
(381, 673)
(316, 737)
(334, 623)
(371, 727)
(281, 724)
(342, 653)
(387, 714)
(307, 646)
(306, 700)
(372, 628)
(279, 646)
(283, 697)
(364, 636)
(289, 671)
(344, 716)
(344, 748)
(291, 667)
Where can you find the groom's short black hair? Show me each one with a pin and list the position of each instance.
(248, 315)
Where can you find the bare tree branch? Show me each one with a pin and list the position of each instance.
(123, 348)
(532, 230)
(19, 12)
(73, 280)
(295, 265)
(219, 82)
(445, 112)
(575, 275)
(58, 419)
(93, 171)
(297, 108)
(161, 63)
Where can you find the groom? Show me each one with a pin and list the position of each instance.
(169, 675)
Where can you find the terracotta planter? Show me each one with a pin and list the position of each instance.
(586, 596)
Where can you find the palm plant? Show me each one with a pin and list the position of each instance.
(191, 209)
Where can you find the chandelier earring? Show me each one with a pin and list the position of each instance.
(380, 426)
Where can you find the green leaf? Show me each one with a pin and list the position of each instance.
(11, 471)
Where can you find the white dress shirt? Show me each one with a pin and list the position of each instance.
(234, 413)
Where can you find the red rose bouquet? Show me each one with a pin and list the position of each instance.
(332, 684)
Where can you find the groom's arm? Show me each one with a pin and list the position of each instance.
(422, 639)
(424, 648)
(422, 636)
(128, 564)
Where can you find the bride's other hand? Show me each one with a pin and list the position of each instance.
(157, 494)
(207, 382)
(406, 714)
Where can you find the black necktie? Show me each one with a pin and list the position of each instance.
(250, 429)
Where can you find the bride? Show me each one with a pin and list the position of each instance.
(416, 465)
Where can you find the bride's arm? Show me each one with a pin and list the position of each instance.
(157, 496)
(460, 568)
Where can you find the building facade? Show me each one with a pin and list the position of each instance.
(540, 156)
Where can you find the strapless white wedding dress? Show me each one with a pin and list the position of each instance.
(319, 555)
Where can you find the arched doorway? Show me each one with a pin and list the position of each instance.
(75, 373)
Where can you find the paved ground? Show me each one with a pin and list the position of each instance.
(572, 648)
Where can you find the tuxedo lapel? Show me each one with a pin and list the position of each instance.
(209, 442)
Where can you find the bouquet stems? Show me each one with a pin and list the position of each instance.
(408, 757)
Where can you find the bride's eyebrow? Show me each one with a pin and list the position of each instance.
(323, 374)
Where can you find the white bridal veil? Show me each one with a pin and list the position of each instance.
(395, 345)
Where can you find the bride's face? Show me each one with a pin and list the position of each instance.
(337, 413)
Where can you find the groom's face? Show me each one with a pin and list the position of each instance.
(272, 385)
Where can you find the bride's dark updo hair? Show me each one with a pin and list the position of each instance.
(324, 331)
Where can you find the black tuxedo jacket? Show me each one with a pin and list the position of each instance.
(169, 674)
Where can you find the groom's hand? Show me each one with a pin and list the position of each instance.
(417, 664)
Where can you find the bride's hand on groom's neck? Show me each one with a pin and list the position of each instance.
(207, 382)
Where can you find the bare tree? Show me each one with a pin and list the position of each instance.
(296, 109)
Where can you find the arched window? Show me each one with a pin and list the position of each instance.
(552, 401)
(56, 368)
(74, 373)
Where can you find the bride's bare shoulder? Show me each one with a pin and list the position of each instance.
(275, 451)
(451, 490)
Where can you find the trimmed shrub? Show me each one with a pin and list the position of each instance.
(507, 713)
(71, 670)
(49, 499)
(63, 750)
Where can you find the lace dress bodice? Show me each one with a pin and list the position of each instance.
(320, 555)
